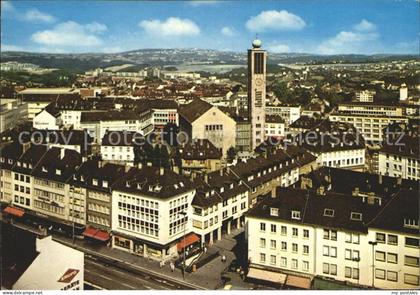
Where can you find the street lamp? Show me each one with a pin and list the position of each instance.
(185, 228)
(373, 243)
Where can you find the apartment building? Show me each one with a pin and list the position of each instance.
(52, 193)
(98, 123)
(298, 237)
(370, 126)
(9, 155)
(199, 156)
(376, 108)
(151, 212)
(274, 126)
(94, 180)
(399, 156)
(274, 168)
(48, 119)
(335, 144)
(302, 124)
(118, 146)
(219, 205)
(288, 113)
(365, 95)
(12, 111)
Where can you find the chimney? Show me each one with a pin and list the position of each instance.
(161, 171)
(273, 192)
(371, 198)
(139, 165)
(380, 178)
(206, 178)
(355, 192)
(321, 190)
(221, 172)
(62, 153)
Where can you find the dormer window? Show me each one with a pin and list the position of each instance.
(2, 159)
(181, 184)
(275, 168)
(328, 212)
(82, 178)
(222, 189)
(74, 177)
(231, 186)
(94, 181)
(175, 186)
(356, 216)
(105, 183)
(58, 171)
(281, 166)
(296, 215)
(10, 161)
(25, 165)
(30, 166)
(127, 184)
(274, 211)
(44, 169)
(19, 163)
(411, 223)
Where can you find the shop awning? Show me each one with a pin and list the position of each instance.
(189, 240)
(96, 234)
(14, 211)
(298, 282)
(266, 275)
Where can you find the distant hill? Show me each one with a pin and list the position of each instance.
(164, 57)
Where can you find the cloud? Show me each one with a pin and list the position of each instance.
(202, 2)
(365, 26)
(359, 40)
(6, 47)
(6, 6)
(278, 48)
(228, 31)
(34, 15)
(96, 27)
(275, 20)
(172, 26)
(70, 35)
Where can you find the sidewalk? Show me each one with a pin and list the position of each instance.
(207, 277)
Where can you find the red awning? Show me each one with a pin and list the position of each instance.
(298, 282)
(14, 211)
(189, 240)
(97, 234)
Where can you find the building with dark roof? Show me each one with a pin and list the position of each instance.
(150, 210)
(199, 156)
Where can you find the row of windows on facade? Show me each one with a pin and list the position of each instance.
(283, 262)
(393, 258)
(214, 127)
(351, 161)
(126, 199)
(98, 220)
(392, 276)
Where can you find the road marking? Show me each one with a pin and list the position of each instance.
(97, 274)
(127, 285)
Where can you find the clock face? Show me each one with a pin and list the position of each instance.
(259, 82)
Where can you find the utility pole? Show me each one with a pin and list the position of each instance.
(373, 243)
(183, 263)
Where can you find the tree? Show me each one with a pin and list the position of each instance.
(230, 154)
(164, 157)
(170, 133)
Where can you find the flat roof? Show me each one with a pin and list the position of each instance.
(46, 90)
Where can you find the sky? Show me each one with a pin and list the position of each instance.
(302, 26)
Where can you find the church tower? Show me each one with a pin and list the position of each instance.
(257, 58)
